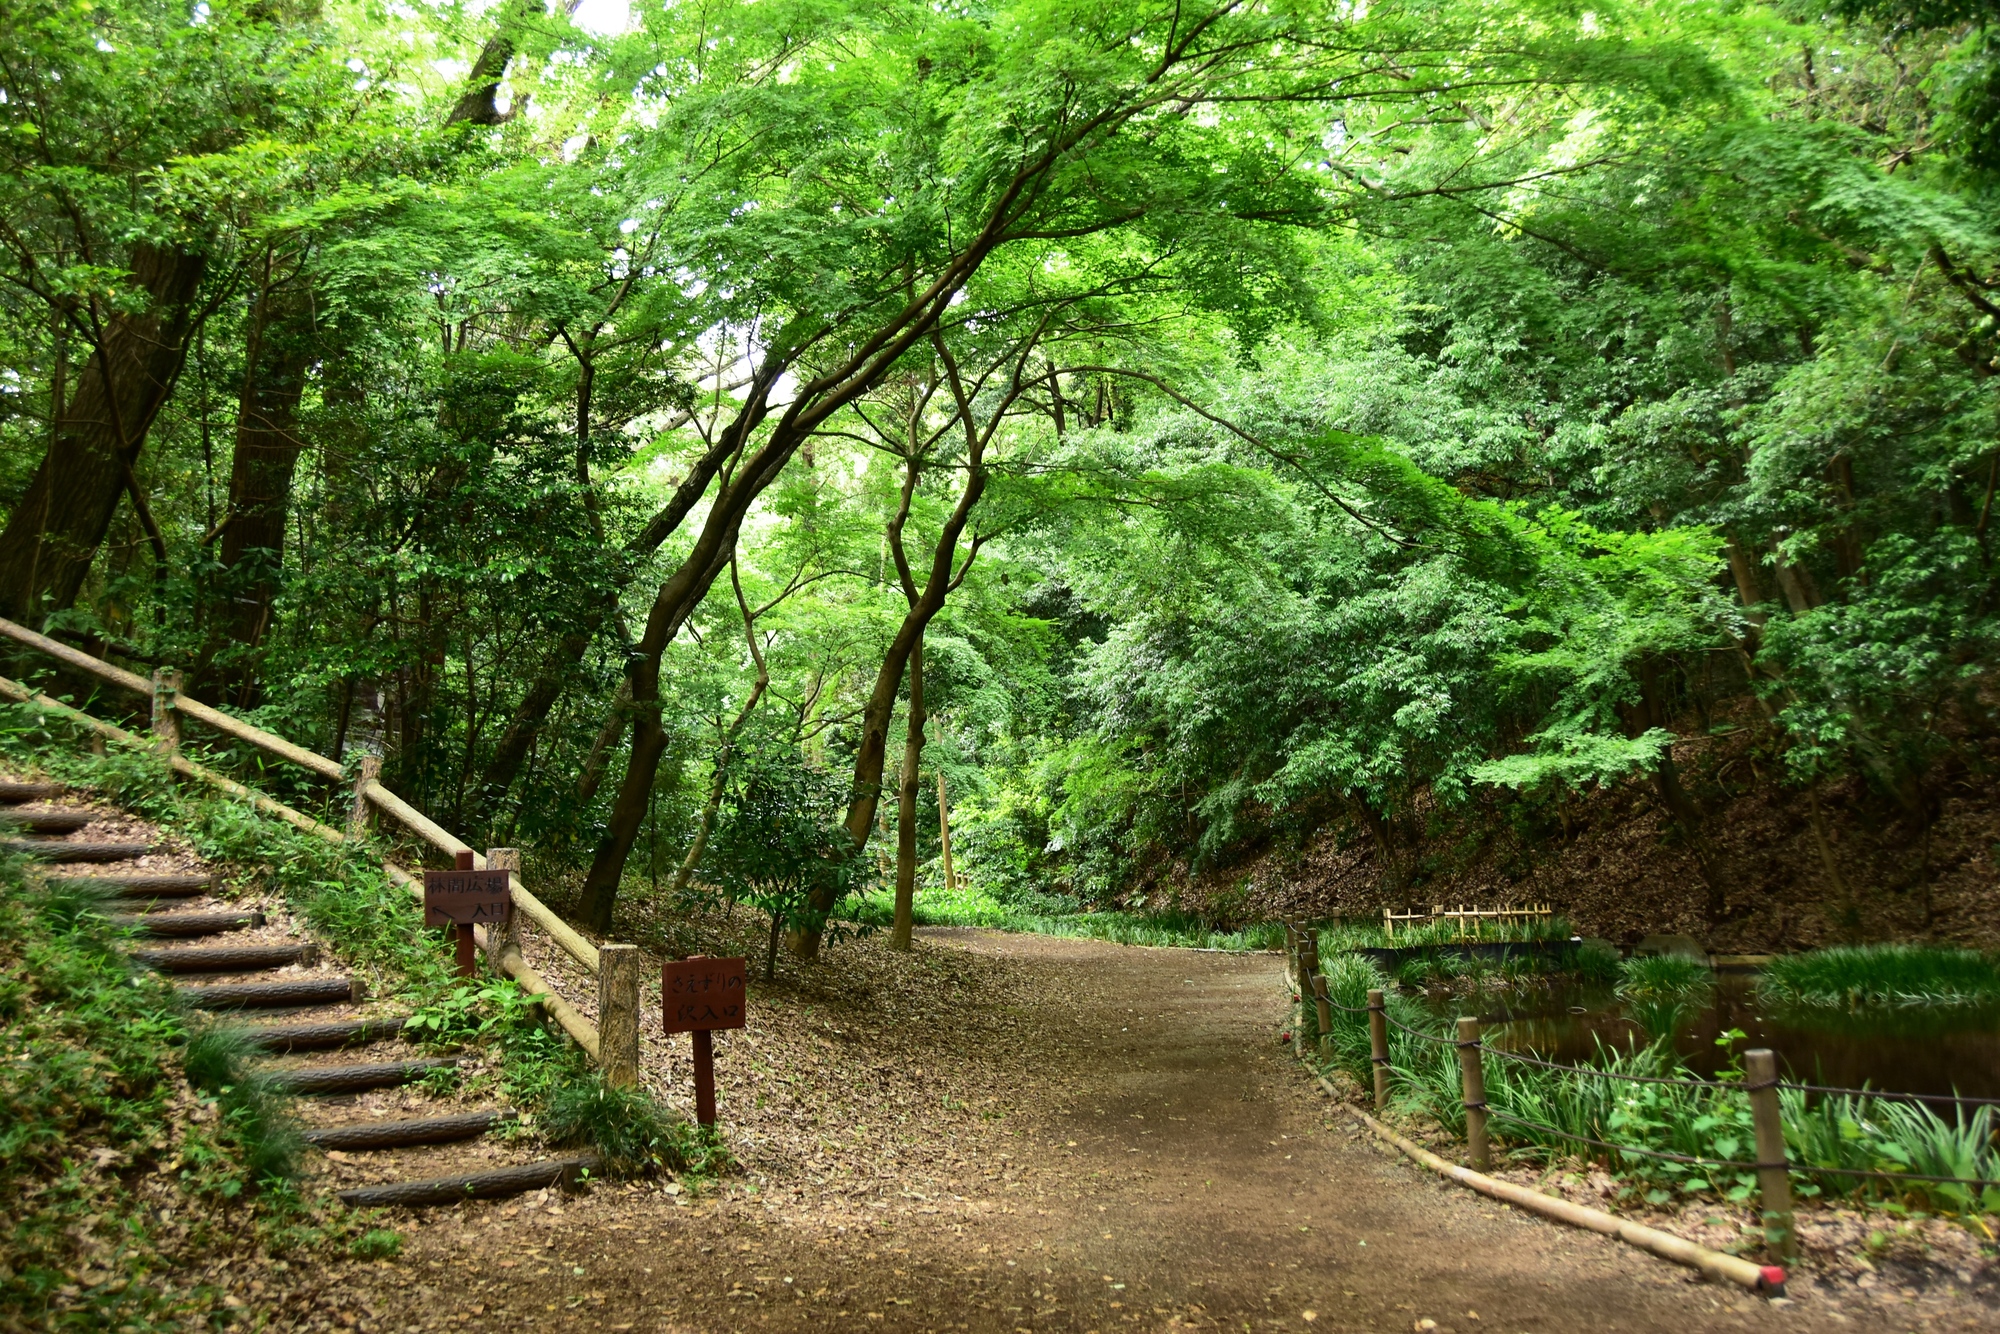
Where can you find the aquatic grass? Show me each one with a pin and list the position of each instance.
(1369, 935)
(1892, 976)
(1708, 1119)
(1664, 977)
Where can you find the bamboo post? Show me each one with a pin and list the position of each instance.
(1325, 1015)
(1389, 926)
(618, 1014)
(166, 713)
(1774, 1182)
(507, 935)
(1308, 978)
(1474, 1076)
(1378, 1046)
(361, 813)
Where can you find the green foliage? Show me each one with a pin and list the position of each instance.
(1562, 1107)
(1664, 977)
(376, 1243)
(1854, 976)
(779, 841)
(629, 1131)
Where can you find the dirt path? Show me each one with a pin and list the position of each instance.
(1153, 1159)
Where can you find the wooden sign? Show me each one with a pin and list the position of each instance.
(467, 898)
(701, 994)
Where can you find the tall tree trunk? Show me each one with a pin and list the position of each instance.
(260, 478)
(906, 807)
(53, 535)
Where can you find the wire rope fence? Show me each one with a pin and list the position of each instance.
(1810, 1136)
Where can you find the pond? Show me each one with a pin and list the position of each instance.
(1942, 1050)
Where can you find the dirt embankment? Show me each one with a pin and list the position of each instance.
(1794, 868)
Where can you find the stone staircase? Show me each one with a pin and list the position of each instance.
(389, 1128)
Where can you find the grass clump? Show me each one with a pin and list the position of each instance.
(258, 1118)
(1857, 976)
(1664, 977)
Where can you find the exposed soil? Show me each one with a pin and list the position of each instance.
(1019, 1133)
(1798, 868)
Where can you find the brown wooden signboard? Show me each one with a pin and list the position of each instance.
(702, 993)
(699, 996)
(467, 898)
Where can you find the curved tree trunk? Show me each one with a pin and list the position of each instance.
(52, 537)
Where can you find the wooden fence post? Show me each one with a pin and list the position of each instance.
(1474, 1075)
(362, 814)
(618, 1014)
(1325, 1015)
(1774, 1181)
(1310, 981)
(166, 716)
(498, 938)
(1378, 1046)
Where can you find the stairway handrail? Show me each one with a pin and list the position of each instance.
(388, 802)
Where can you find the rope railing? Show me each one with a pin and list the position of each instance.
(170, 706)
(1760, 1085)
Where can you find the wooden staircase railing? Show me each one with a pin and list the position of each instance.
(613, 1043)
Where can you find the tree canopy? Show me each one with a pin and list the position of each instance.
(1160, 429)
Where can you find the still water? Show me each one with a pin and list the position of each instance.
(1910, 1051)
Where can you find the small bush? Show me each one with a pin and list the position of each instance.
(377, 1243)
(630, 1132)
(1853, 976)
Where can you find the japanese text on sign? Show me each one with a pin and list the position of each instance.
(702, 993)
(475, 898)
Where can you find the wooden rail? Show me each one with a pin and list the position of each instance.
(170, 706)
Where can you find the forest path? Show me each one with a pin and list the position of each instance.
(1161, 1162)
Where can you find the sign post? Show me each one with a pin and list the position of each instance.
(465, 898)
(700, 995)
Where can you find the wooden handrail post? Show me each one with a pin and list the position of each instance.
(166, 710)
(618, 1014)
(1378, 1046)
(1325, 1016)
(360, 816)
(1774, 1180)
(1474, 1075)
(508, 934)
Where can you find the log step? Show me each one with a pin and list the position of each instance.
(169, 926)
(139, 886)
(56, 850)
(271, 995)
(46, 822)
(12, 792)
(473, 1185)
(308, 1037)
(355, 1078)
(402, 1134)
(227, 958)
